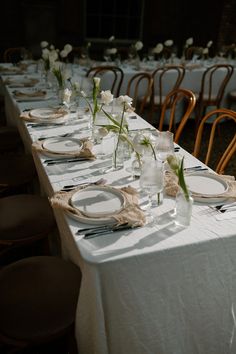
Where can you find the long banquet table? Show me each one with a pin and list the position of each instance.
(159, 289)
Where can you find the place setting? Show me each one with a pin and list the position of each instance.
(64, 149)
(29, 94)
(18, 82)
(44, 116)
(105, 209)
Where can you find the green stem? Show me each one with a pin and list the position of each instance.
(118, 139)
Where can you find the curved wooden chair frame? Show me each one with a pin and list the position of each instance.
(222, 114)
(158, 96)
(116, 81)
(207, 96)
(134, 85)
(174, 98)
(9, 53)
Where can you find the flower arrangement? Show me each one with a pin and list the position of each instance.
(120, 127)
(177, 167)
(144, 143)
(188, 43)
(49, 55)
(61, 74)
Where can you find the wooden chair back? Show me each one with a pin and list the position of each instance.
(221, 116)
(192, 51)
(117, 76)
(140, 88)
(174, 99)
(161, 82)
(13, 55)
(213, 84)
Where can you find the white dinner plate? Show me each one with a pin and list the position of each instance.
(206, 186)
(26, 98)
(47, 113)
(98, 202)
(62, 145)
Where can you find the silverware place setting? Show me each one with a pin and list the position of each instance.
(92, 232)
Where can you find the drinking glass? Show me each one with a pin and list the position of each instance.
(151, 182)
(165, 145)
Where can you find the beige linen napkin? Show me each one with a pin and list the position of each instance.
(11, 69)
(171, 186)
(57, 113)
(131, 213)
(24, 83)
(85, 152)
(39, 93)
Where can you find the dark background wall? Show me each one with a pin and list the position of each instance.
(28, 22)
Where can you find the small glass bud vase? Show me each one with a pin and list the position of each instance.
(183, 209)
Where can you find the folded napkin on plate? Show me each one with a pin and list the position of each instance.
(131, 213)
(11, 69)
(24, 83)
(39, 93)
(57, 113)
(85, 152)
(171, 186)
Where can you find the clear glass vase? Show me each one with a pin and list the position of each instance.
(183, 209)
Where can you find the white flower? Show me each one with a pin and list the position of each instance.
(168, 43)
(57, 65)
(106, 97)
(96, 81)
(110, 51)
(52, 47)
(138, 45)
(158, 48)
(125, 100)
(53, 55)
(68, 48)
(189, 41)
(111, 39)
(44, 44)
(45, 53)
(66, 96)
(205, 51)
(209, 44)
(63, 53)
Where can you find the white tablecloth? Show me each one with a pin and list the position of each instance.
(158, 289)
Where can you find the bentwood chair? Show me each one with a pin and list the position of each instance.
(165, 79)
(17, 174)
(10, 139)
(227, 149)
(176, 110)
(116, 76)
(192, 52)
(26, 223)
(140, 88)
(38, 300)
(14, 54)
(213, 84)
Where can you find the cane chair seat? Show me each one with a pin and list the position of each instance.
(38, 300)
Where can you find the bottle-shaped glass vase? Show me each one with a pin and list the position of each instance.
(183, 209)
